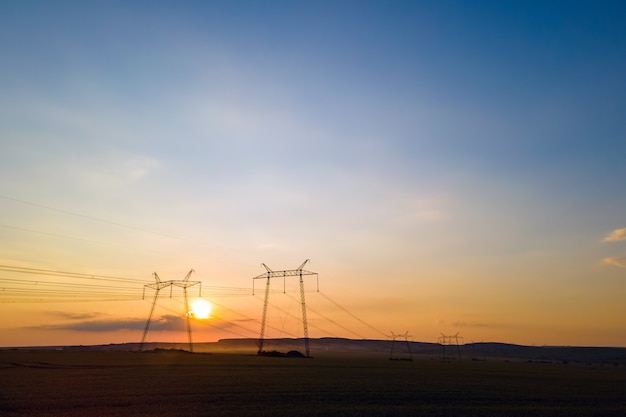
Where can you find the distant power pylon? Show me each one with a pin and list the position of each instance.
(405, 337)
(449, 341)
(298, 272)
(158, 286)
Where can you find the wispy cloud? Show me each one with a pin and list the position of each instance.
(616, 235)
(619, 261)
(140, 166)
(74, 316)
(167, 322)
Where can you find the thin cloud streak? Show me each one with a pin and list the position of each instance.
(616, 235)
(619, 262)
(167, 322)
(74, 316)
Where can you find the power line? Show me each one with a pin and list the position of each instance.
(65, 274)
(102, 220)
(330, 320)
(66, 293)
(351, 314)
(97, 288)
(83, 286)
(44, 290)
(208, 323)
(40, 298)
(285, 312)
(247, 317)
(60, 284)
(53, 234)
(97, 219)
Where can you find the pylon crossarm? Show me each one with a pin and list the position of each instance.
(185, 284)
(158, 285)
(286, 273)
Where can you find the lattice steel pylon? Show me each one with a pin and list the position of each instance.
(299, 272)
(406, 337)
(158, 286)
(445, 340)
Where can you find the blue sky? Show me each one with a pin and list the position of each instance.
(470, 153)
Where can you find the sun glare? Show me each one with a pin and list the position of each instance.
(200, 309)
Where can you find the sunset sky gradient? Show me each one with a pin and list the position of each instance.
(447, 166)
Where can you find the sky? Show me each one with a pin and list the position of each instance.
(448, 167)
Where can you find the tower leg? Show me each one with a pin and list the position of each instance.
(304, 324)
(266, 300)
(188, 319)
(145, 330)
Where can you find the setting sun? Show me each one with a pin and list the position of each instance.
(200, 309)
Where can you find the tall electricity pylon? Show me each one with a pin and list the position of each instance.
(445, 340)
(285, 273)
(158, 286)
(406, 337)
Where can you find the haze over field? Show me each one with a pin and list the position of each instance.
(446, 166)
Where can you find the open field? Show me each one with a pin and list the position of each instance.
(173, 383)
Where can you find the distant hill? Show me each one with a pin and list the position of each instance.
(401, 349)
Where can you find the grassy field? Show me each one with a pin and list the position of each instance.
(172, 383)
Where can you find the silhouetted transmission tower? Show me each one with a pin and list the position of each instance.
(450, 341)
(158, 286)
(408, 356)
(298, 272)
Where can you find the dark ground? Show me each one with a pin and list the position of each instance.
(173, 383)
